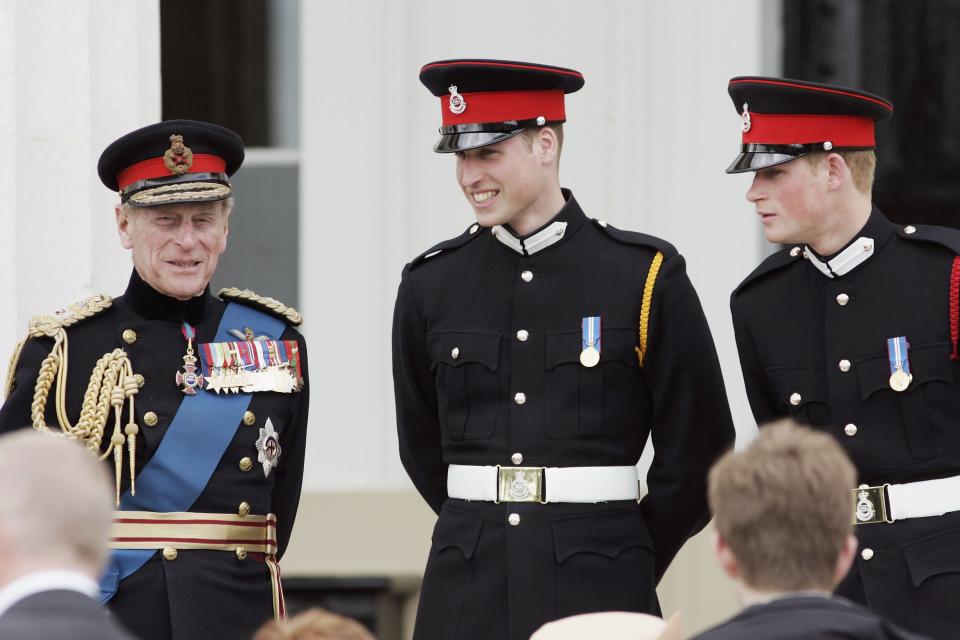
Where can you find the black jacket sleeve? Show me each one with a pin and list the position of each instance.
(285, 497)
(15, 412)
(692, 425)
(761, 391)
(418, 425)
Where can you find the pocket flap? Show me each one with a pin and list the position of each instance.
(607, 533)
(809, 382)
(615, 344)
(459, 529)
(933, 555)
(459, 348)
(927, 363)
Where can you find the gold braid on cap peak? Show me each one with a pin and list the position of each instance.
(112, 383)
(272, 305)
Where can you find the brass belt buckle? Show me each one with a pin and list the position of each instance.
(870, 504)
(520, 484)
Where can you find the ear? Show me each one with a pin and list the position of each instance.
(226, 229)
(845, 558)
(838, 173)
(123, 226)
(725, 557)
(546, 144)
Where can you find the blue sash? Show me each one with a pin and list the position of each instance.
(199, 433)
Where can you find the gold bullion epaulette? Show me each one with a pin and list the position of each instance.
(270, 305)
(472, 232)
(49, 325)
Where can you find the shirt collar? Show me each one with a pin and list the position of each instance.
(564, 224)
(153, 305)
(33, 583)
(870, 240)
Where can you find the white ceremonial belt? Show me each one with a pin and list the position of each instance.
(542, 484)
(890, 502)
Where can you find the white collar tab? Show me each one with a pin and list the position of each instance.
(549, 235)
(844, 262)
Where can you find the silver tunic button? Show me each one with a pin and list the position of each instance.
(474, 228)
(843, 299)
(850, 429)
(867, 553)
(455, 353)
(527, 276)
(602, 223)
(516, 458)
(514, 519)
(795, 252)
(844, 365)
(909, 229)
(795, 399)
(522, 335)
(520, 398)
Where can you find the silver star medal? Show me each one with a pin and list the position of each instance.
(268, 448)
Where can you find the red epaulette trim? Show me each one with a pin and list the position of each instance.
(955, 307)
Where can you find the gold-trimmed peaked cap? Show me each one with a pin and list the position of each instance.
(171, 162)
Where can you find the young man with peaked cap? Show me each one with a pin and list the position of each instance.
(781, 509)
(197, 403)
(533, 356)
(852, 328)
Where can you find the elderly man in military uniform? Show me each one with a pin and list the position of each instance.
(533, 356)
(852, 328)
(197, 403)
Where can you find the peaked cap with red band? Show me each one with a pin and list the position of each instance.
(783, 119)
(172, 162)
(485, 101)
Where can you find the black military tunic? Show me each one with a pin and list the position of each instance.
(814, 348)
(477, 323)
(200, 594)
(807, 617)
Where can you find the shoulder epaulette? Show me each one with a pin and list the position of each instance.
(637, 238)
(473, 231)
(50, 324)
(778, 260)
(944, 236)
(270, 305)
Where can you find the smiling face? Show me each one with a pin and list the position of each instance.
(175, 247)
(790, 200)
(511, 182)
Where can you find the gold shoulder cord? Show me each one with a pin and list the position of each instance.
(112, 382)
(645, 305)
(246, 295)
(12, 368)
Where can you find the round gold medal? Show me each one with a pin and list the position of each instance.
(900, 380)
(589, 357)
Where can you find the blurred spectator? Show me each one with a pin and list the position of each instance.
(783, 511)
(611, 625)
(315, 624)
(57, 511)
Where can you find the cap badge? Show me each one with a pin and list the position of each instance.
(745, 119)
(178, 158)
(457, 103)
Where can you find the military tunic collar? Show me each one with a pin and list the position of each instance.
(865, 244)
(565, 222)
(153, 305)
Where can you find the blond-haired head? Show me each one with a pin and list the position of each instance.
(783, 506)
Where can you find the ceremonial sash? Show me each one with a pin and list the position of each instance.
(194, 443)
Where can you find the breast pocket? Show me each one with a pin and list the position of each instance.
(803, 390)
(466, 369)
(603, 400)
(922, 417)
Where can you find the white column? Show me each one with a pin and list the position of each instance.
(74, 75)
